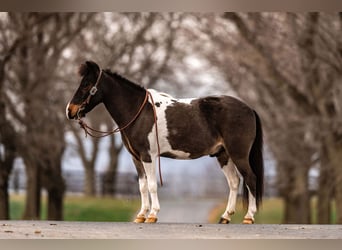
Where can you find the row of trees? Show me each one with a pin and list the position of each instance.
(32, 124)
(38, 75)
(287, 66)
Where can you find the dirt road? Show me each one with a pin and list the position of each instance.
(188, 210)
(110, 230)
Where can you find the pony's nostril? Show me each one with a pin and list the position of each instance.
(69, 115)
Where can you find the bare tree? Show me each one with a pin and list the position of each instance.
(134, 45)
(7, 132)
(33, 100)
(288, 66)
(88, 158)
(109, 178)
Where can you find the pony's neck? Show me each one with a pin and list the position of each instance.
(122, 99)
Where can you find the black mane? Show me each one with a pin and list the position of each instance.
(124, 80)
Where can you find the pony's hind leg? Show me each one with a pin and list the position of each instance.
(233, 180)
(250, 184)
(252, 209)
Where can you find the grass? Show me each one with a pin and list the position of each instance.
(80, 208)
(270, 212)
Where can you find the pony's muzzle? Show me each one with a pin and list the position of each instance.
(72, 111)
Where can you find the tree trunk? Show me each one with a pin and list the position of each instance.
(89, 187)
(325, 189)
(334, 149)
(4, 198)
(109, 182)
(33, 190)
(109, 177)
(55, 204)
(54, 183)
(6, 165)
(89, 182)
(297, 209)
(296, 195)
(56, 190)
(7, 141)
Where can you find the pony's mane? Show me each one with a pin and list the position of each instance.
(124, 80)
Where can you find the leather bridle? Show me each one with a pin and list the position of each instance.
(92, 92)
(100, 133)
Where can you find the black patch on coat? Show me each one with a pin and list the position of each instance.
(188, 129)
(197, 127)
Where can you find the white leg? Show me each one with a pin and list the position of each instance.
(145, 202)
(150, 170)
(249, 217)
(233, 179)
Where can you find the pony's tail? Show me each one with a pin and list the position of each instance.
(256, 162)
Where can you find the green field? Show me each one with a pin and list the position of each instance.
(79, 208)
(270, 212)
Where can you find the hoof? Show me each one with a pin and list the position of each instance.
(140, 219)
(224, 221)
(151, 220)
(248, 221)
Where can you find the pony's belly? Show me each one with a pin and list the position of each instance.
(176, 154)
(194, 152)
(166, 149)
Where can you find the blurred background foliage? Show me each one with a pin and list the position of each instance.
(287, 66)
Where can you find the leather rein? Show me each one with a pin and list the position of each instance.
(99, 134)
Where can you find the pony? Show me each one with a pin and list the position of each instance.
(154, 124)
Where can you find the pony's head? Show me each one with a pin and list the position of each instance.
(88, 94)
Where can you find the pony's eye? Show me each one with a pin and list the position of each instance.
(86, 89)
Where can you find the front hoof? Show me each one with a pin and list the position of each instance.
(140, 219)
(151, 220)
(248, 221)
(224, 221)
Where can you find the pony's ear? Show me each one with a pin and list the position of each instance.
(87, 67)
(83, 69)
(93, 66)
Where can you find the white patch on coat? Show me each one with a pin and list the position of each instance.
(233, 179)
(164, 101)
(252, 209)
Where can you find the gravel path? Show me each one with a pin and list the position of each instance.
(110, 230)
(186, 210)
(178, 219)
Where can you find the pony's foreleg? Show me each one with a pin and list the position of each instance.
(233, 180)
(145, 202)
(150, 170)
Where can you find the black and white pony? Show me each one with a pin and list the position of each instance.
(219, 126)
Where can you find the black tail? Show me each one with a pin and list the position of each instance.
(256, 162)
